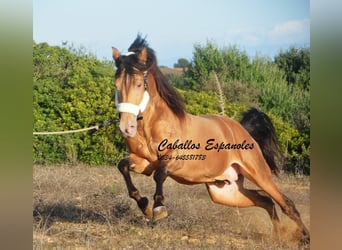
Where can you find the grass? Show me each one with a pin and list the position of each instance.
(82, 207)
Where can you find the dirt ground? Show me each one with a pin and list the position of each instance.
(82, 207)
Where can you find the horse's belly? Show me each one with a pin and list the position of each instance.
(199, 172)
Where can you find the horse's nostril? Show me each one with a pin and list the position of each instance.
(130, 129)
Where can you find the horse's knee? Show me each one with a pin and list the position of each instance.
(123, 165)
(134, 194)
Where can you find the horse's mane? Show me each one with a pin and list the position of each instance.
(167, 92)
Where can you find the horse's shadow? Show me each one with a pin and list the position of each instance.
(100, 208)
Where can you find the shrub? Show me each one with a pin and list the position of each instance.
(72, 90)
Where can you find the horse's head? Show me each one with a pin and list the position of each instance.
(131, 95)
(133, 91)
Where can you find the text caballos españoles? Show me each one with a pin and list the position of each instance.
(211, 144)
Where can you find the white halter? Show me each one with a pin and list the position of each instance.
(132, 108)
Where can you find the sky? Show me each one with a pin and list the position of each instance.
(172, 28)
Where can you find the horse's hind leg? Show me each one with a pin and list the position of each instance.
(288, 207)
(233, 194)
(264, 180)
(133, 192)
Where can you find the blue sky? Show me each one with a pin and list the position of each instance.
(173, 27)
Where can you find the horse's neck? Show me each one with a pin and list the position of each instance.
(158, 121)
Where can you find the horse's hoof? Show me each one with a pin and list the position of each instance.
(148, 212)
(159, 213)
(305, 240)
(145, 207)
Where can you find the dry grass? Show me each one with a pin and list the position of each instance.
(83, 207)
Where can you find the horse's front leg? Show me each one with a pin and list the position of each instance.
(159, 210)
(133, 192)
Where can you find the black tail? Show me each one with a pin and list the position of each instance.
(260, 127)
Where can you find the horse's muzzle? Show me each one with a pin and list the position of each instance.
(128, 127)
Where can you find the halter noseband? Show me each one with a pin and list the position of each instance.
(133, 108)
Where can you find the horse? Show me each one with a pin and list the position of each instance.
(166, 141)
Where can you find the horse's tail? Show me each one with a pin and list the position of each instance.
(260, 127)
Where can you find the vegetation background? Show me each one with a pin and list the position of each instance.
(73, 89)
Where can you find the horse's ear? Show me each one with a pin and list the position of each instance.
(142, 56)
(116, 53)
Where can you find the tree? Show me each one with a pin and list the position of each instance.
(296, 64)
(206, 59)
(182, 63)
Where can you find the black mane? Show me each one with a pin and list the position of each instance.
(130, 63)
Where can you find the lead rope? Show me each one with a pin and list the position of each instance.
(96, 127)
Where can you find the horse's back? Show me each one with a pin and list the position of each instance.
(220, 125)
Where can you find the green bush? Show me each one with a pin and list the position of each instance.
(198, 103)
(73, 90)
(255, 82)
(295, 146)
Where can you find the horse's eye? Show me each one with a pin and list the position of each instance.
(139, 85)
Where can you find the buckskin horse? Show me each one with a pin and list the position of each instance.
(218, 151)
